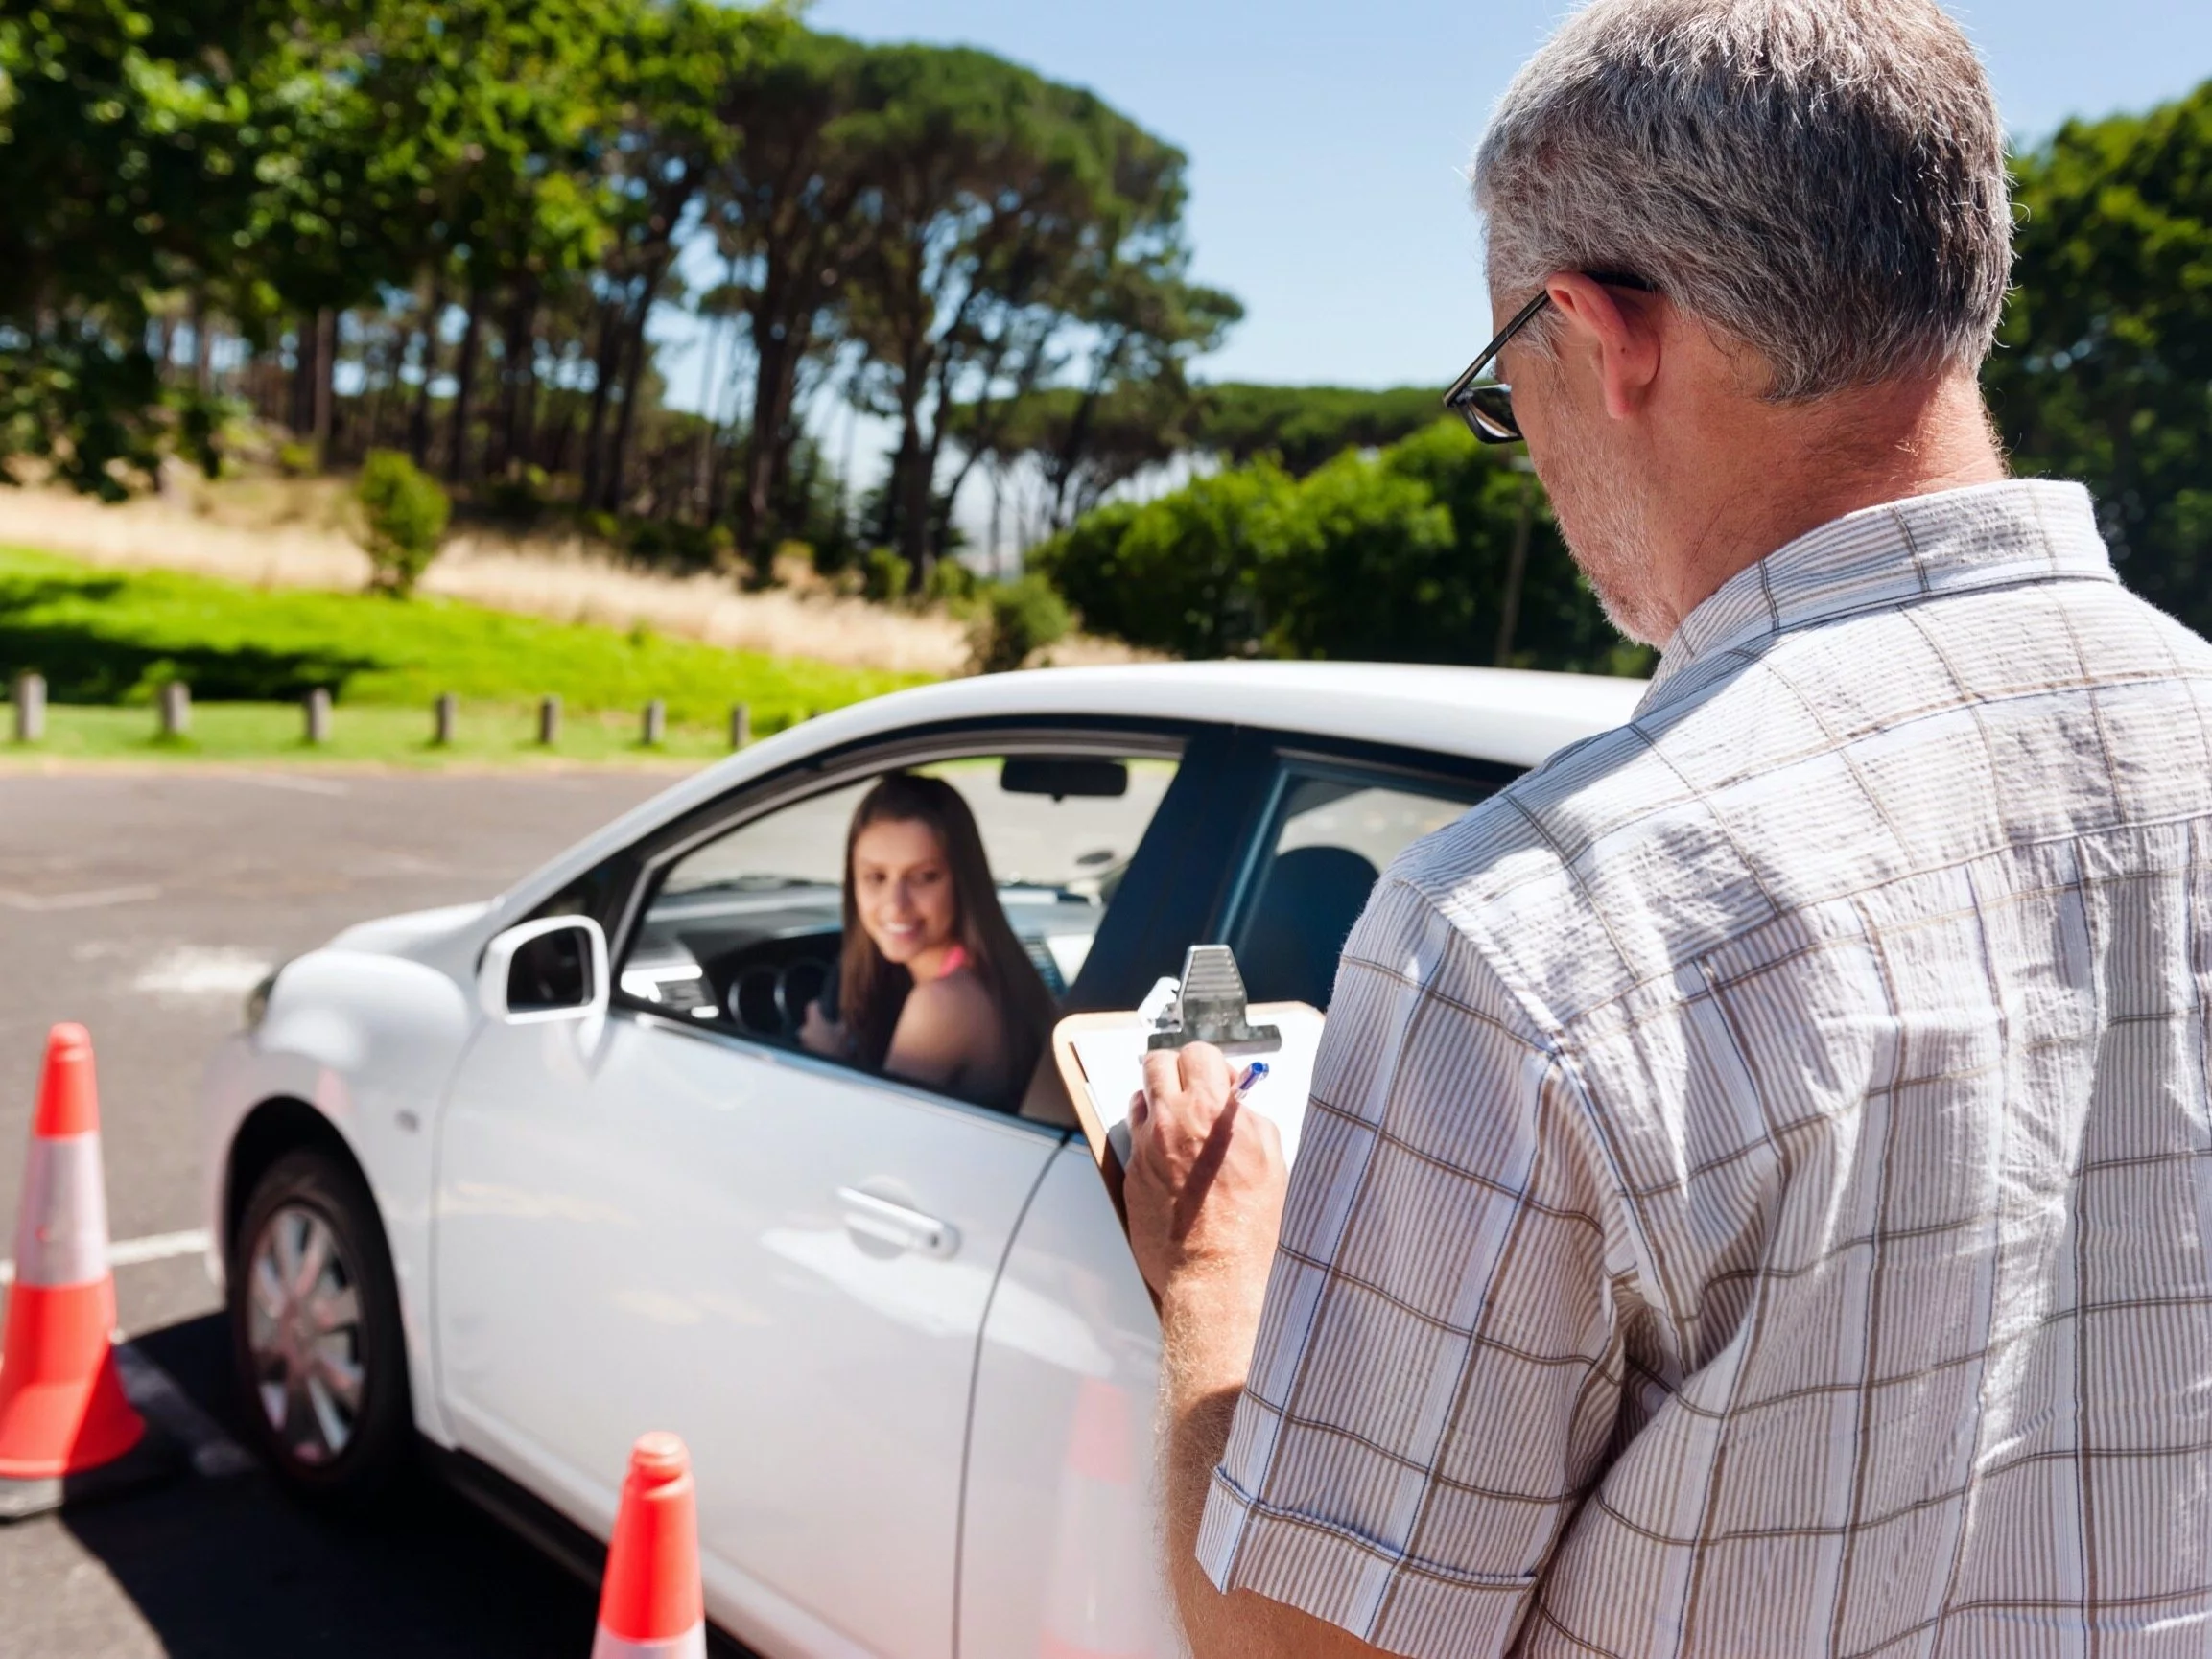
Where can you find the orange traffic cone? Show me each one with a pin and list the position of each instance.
(66, 1430)
(651, 1606)
(1103, 1546)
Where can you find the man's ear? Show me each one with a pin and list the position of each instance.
(1621, 327)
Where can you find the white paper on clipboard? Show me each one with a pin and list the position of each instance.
(1112, 1059)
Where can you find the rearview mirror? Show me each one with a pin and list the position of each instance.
(1061, 777)
(551, 968)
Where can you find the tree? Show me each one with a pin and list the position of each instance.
(1302, 426)
(447, 225)
(785, 213)
(675, 73)
(981, 184)
(1009, 212)
(1135, 407)
(498, 108)
(1150, 321)
(2105, 366)
(146, 149)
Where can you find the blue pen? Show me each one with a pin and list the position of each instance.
(1250, 1080)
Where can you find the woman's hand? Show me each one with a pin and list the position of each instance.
(819, 1034)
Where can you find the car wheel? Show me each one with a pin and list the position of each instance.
(316, 1331)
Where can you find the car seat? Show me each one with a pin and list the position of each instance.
(1307, 903)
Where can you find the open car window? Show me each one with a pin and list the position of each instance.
(742, 930)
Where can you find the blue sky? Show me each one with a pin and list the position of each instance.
(1325, 138)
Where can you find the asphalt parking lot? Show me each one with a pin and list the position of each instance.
(145, 905)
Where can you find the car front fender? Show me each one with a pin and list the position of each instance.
(367, 1043)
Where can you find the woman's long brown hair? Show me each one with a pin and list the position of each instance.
(871, 991)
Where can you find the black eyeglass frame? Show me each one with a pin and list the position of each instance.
(1486, 406)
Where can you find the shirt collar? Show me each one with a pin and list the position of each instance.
(1953, 542)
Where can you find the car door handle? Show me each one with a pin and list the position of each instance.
(894, 1224)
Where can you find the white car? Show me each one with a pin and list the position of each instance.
(516, 1181)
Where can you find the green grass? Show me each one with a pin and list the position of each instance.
(105, 640)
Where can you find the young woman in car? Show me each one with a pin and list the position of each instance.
(933, 986)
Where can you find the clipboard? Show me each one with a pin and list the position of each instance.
(1101, 1056)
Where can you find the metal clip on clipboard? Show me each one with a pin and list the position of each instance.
(1211, 1007)
(1100, 1056)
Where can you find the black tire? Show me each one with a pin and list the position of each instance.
(300, 1192)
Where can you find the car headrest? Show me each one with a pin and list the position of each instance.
(1307, 903)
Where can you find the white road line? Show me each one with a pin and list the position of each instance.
(157, 1247)
(281, 780)
(204, 970)
(134, 1253)
(99, 897)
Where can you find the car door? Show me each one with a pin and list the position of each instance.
(1059, 1548)
(680, 1221)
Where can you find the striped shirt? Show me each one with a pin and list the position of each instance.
(1757, 1193)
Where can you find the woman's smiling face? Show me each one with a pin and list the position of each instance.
(903, 888)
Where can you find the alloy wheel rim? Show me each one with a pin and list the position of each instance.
(303, 1330)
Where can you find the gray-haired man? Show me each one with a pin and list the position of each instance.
(1758, 1195)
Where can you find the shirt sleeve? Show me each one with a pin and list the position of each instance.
(1437, 1375)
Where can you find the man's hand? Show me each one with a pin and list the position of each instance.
(1204, 1188)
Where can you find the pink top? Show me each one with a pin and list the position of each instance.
(955, 959)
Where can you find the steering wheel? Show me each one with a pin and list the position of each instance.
(769, 999)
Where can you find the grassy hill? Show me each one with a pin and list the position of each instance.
(108, 640)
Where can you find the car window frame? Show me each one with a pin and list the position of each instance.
(750, 805)
(639, 866)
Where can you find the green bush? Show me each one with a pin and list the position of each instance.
(1180, 573)
(1013, 619)
(404, 514)
(1083, 563)
(792, 555)
(885, 577)
(950, 584)
(297, 460)
(518, 497)
(669, 544)
(1369, 569)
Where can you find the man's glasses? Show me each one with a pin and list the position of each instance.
(1486, 406)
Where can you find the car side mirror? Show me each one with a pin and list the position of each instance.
(551, 968)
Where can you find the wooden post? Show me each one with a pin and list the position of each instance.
(442, 719)
(656, 724)
(549, 722)
(176, 708)
(29, 707)
(741, 725)
(316, 703)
